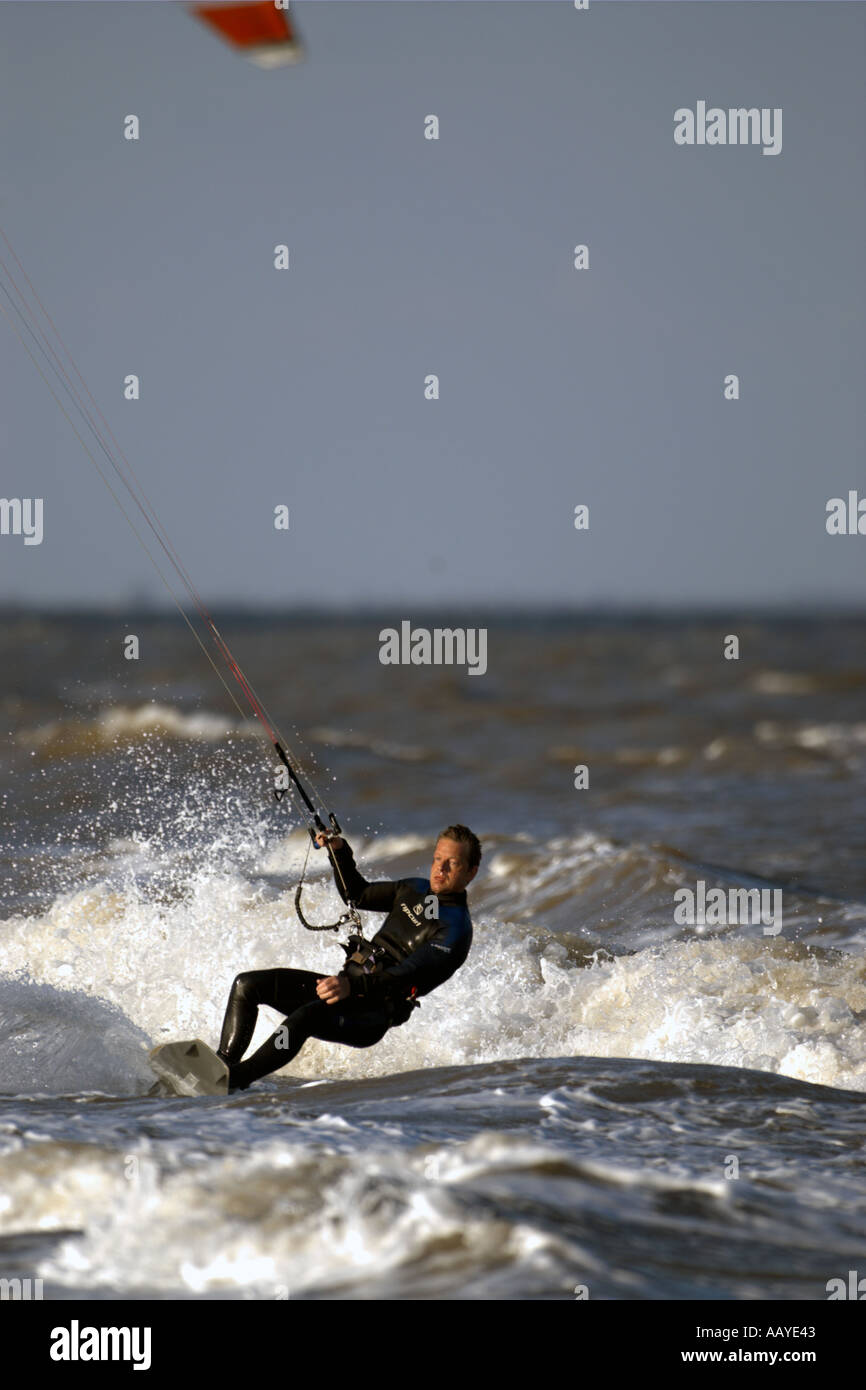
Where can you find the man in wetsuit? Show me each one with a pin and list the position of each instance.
(423, 940)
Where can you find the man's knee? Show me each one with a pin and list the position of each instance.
(245, 986)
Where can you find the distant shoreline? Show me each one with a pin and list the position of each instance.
(445, 614)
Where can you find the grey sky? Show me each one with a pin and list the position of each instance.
(453, 257)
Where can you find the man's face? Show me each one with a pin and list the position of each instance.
(450, 871)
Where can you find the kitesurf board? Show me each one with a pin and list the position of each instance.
(191, 1068)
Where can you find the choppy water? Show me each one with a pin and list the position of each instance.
(600, 1097)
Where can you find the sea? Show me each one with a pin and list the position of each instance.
(605, 1102)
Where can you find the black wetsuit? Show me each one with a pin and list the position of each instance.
(423, 940)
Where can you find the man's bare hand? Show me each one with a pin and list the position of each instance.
(324, 837)
(333, 988)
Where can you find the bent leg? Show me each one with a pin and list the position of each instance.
(285, 990)
(355, 1029)
(327, 1022)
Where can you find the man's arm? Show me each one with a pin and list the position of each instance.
(352, 887)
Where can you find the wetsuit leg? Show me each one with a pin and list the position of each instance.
(329, 1022)
(285, 990)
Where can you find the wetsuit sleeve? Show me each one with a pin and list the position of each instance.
(431, 965)
(353, 888)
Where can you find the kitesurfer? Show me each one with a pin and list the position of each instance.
(423, 940)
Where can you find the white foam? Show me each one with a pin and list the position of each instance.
(167, 966)
(285, 1220)
(121, 721)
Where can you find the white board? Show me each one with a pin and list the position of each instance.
(191, 1068)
